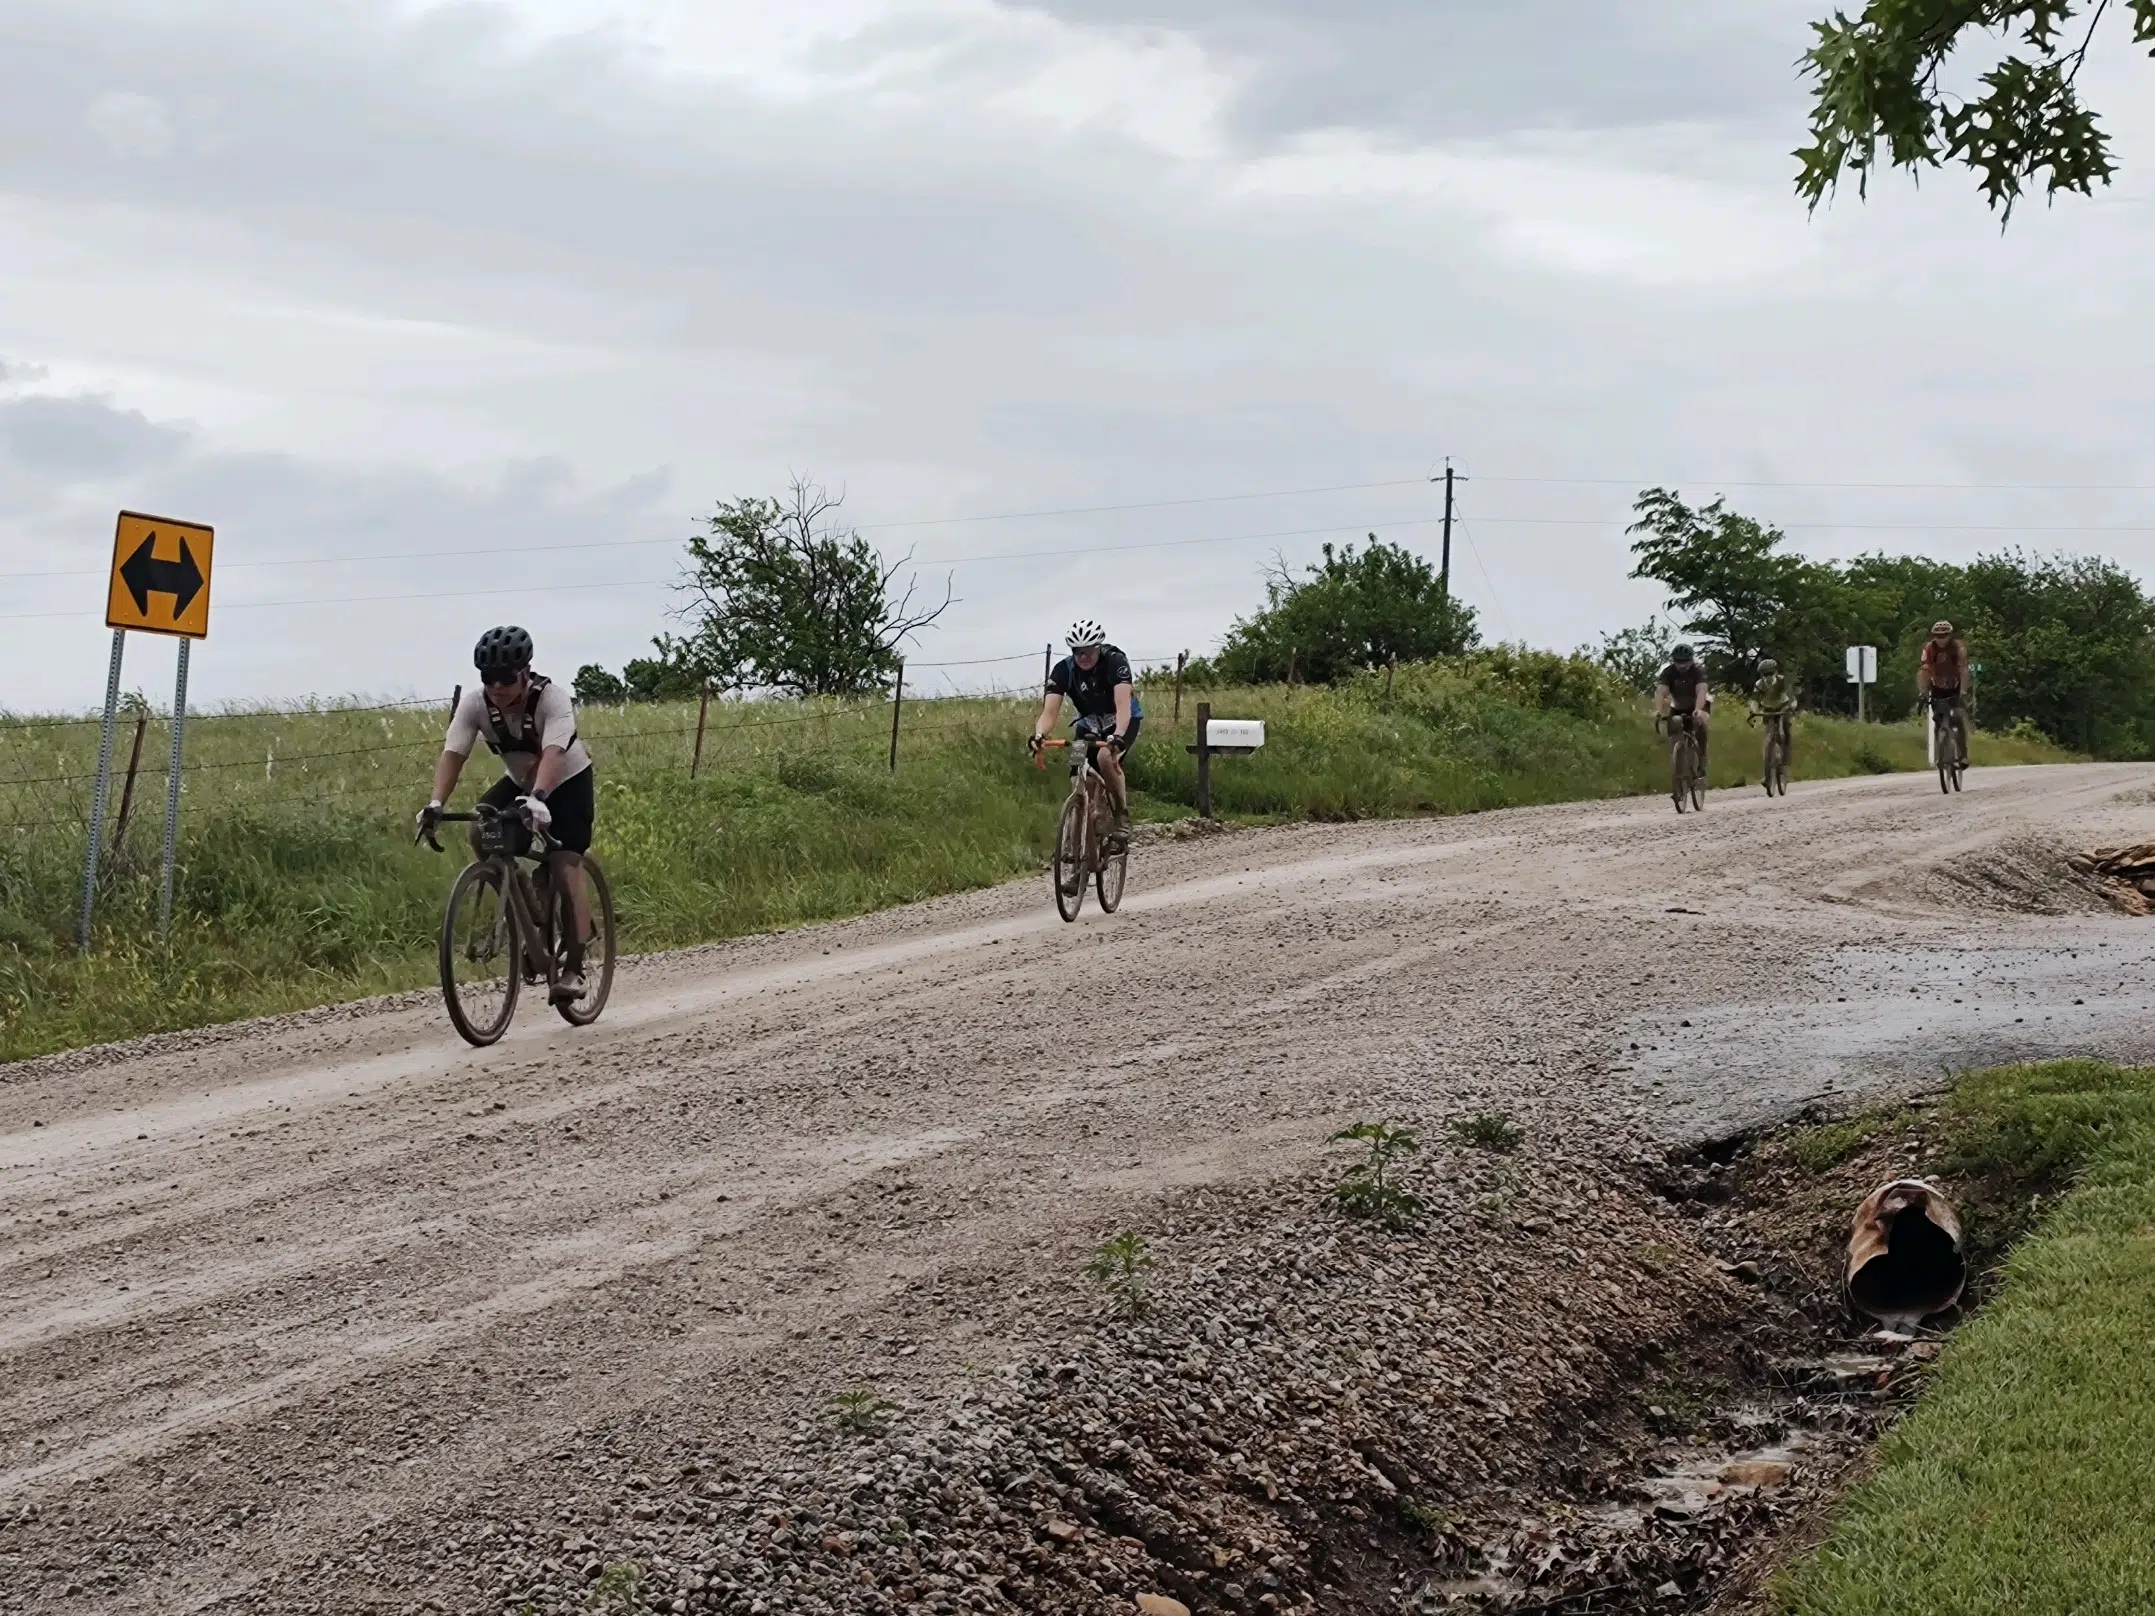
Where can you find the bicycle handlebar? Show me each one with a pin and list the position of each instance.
(485, 815)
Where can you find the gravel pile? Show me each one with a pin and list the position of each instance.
(1311, 1413)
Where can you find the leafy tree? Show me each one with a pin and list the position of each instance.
(1355, 609)
(1634, 655)
(673, 674)
(2067, 643)
(1879, 80)
(595, 684)
(783, 599)
(1740, 594)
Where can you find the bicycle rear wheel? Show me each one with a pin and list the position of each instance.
(481, 954)
(1068, 870)
(598, 952)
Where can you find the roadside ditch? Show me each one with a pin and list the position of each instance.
(1565, 1386)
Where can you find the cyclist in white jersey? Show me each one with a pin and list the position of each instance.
(529, 722)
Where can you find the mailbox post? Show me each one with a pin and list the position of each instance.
(1226, 737)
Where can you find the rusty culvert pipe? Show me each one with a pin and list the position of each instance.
(1904, 1254)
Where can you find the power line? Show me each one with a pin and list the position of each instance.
(654, 583)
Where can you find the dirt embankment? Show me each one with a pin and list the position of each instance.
(332, 1315)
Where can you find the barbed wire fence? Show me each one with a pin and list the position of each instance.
(48, 766)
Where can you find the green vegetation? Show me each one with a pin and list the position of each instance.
(2018, 1487)
(1881, 80)
(1371, 1187)
(2066, 645)
(298, 884)
(1824, 1147)
(1355, 609)
(1119, 1267)
(861, 1412)
(1491, 1131)
(618, 1587)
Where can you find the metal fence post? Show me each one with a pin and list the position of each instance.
(1182, 660)
(1204, 760)
(172, 789)
(100, 792)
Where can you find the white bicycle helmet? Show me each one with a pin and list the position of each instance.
(1085, 635)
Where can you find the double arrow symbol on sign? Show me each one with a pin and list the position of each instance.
(145, 575)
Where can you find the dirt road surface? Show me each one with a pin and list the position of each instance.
(311, 1291)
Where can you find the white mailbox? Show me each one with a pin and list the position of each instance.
(1223, 733)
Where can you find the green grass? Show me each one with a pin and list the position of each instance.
(298, 885)
(1824, 1147)
(2020, 1486)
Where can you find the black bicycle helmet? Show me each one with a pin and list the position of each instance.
(1681, 654)
(504, 650)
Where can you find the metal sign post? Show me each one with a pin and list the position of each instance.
(1862, 672)
(172, 792)
(100, 792)
(159, 584)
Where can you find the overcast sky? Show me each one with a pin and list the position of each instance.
(452, 314)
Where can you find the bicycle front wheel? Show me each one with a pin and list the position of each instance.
(598, 952)
(1108, 880)
(481, 954)
(1068, 871)
(1680, 771)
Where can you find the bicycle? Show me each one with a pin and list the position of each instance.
(496, 926)
(1950, 743)
(1686, 783)
(1081, 835)
(1776, 764)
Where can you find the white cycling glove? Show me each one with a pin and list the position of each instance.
(536, 814)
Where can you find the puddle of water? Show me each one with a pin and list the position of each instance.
(1893, 1022)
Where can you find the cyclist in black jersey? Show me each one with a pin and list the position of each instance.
(1680, 695)
(1095, 678)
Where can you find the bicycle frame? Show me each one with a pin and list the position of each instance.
(522, 899)
(1085, 777)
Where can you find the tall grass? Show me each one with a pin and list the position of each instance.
(298, 884)
(2019, 1486)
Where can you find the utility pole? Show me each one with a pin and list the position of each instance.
(1444, 565)
(1444, 570)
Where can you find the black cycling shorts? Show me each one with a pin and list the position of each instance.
(572, 803)
(1099, 729)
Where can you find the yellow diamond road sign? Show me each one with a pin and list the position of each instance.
(160, 577)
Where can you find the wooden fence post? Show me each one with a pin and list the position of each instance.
(127, 794)
(1204, 760)
(1290, 666)
(1390, 667)
(897, 706)
(456, 700)
(703, 713)
(1182, 660)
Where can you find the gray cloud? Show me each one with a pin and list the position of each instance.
(1467, 69)
(66, 439)
(423, 284)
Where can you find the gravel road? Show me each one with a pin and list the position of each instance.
(326, 1289)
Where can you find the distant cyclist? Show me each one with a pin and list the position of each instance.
(1681, 696)
(1942, 679)
(1096, 679)
(1773, 698)
(529, 722)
